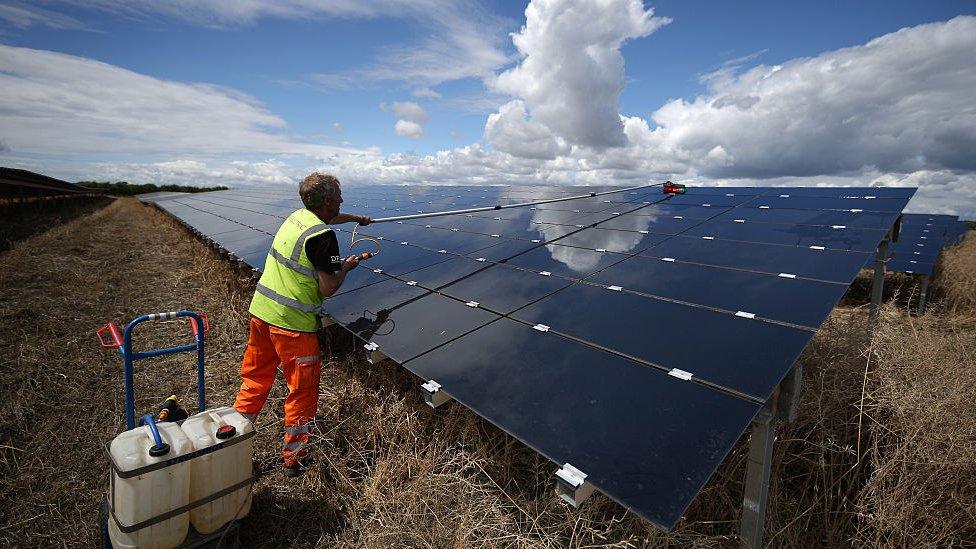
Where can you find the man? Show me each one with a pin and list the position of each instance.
(303, 267)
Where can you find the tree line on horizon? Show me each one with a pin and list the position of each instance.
(129, 189)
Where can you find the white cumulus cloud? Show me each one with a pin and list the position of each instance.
(412, 118)
(572, 71)
(903, 102)
(510, 131)
(409, 129)
(408, 110)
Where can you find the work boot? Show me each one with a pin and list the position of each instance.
(293, 469)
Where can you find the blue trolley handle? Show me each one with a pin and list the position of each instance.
(200, 326)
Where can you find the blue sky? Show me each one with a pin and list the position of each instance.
(330, 76)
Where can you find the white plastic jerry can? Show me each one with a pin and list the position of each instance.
(150, 494)
(221, 469)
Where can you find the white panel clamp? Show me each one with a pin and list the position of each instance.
(472, 304)
(745, 314)
(680, 374)
(615, 288)
(571, 485)
(373, 354)
(541, 327)
(545, 273)
(433, 395)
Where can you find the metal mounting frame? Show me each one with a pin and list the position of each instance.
(434, 396)
(571, 485)
(782, 406)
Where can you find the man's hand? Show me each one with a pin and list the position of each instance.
(350, 263)
(364, 220)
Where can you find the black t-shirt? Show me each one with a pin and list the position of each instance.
(323, 251)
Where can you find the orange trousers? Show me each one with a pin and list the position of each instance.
(300, 358)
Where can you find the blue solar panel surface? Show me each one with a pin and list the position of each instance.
(632, 334)
(922, 239)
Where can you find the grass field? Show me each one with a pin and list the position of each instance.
(883, 453)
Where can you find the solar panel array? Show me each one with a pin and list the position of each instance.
(632, 335)
(22, 184)
(922, 238)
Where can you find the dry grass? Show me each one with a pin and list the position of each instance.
(957, 279)
(921, 490)
(389, 471)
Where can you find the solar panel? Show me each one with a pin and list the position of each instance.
(922, 239)
(632, 335)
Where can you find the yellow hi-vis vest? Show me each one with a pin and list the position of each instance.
(287, 295)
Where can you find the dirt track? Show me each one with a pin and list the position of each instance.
(389, 471)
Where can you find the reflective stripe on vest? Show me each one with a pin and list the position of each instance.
(292, 264)
(296, 253)
(284, 300)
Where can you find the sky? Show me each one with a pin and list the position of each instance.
(554, 92)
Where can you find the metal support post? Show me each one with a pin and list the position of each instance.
(789, 394)
(757, 478)
(877, 286)
(922, 294)
(782, 406)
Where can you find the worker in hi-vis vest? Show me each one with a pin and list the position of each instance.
(303, 267)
